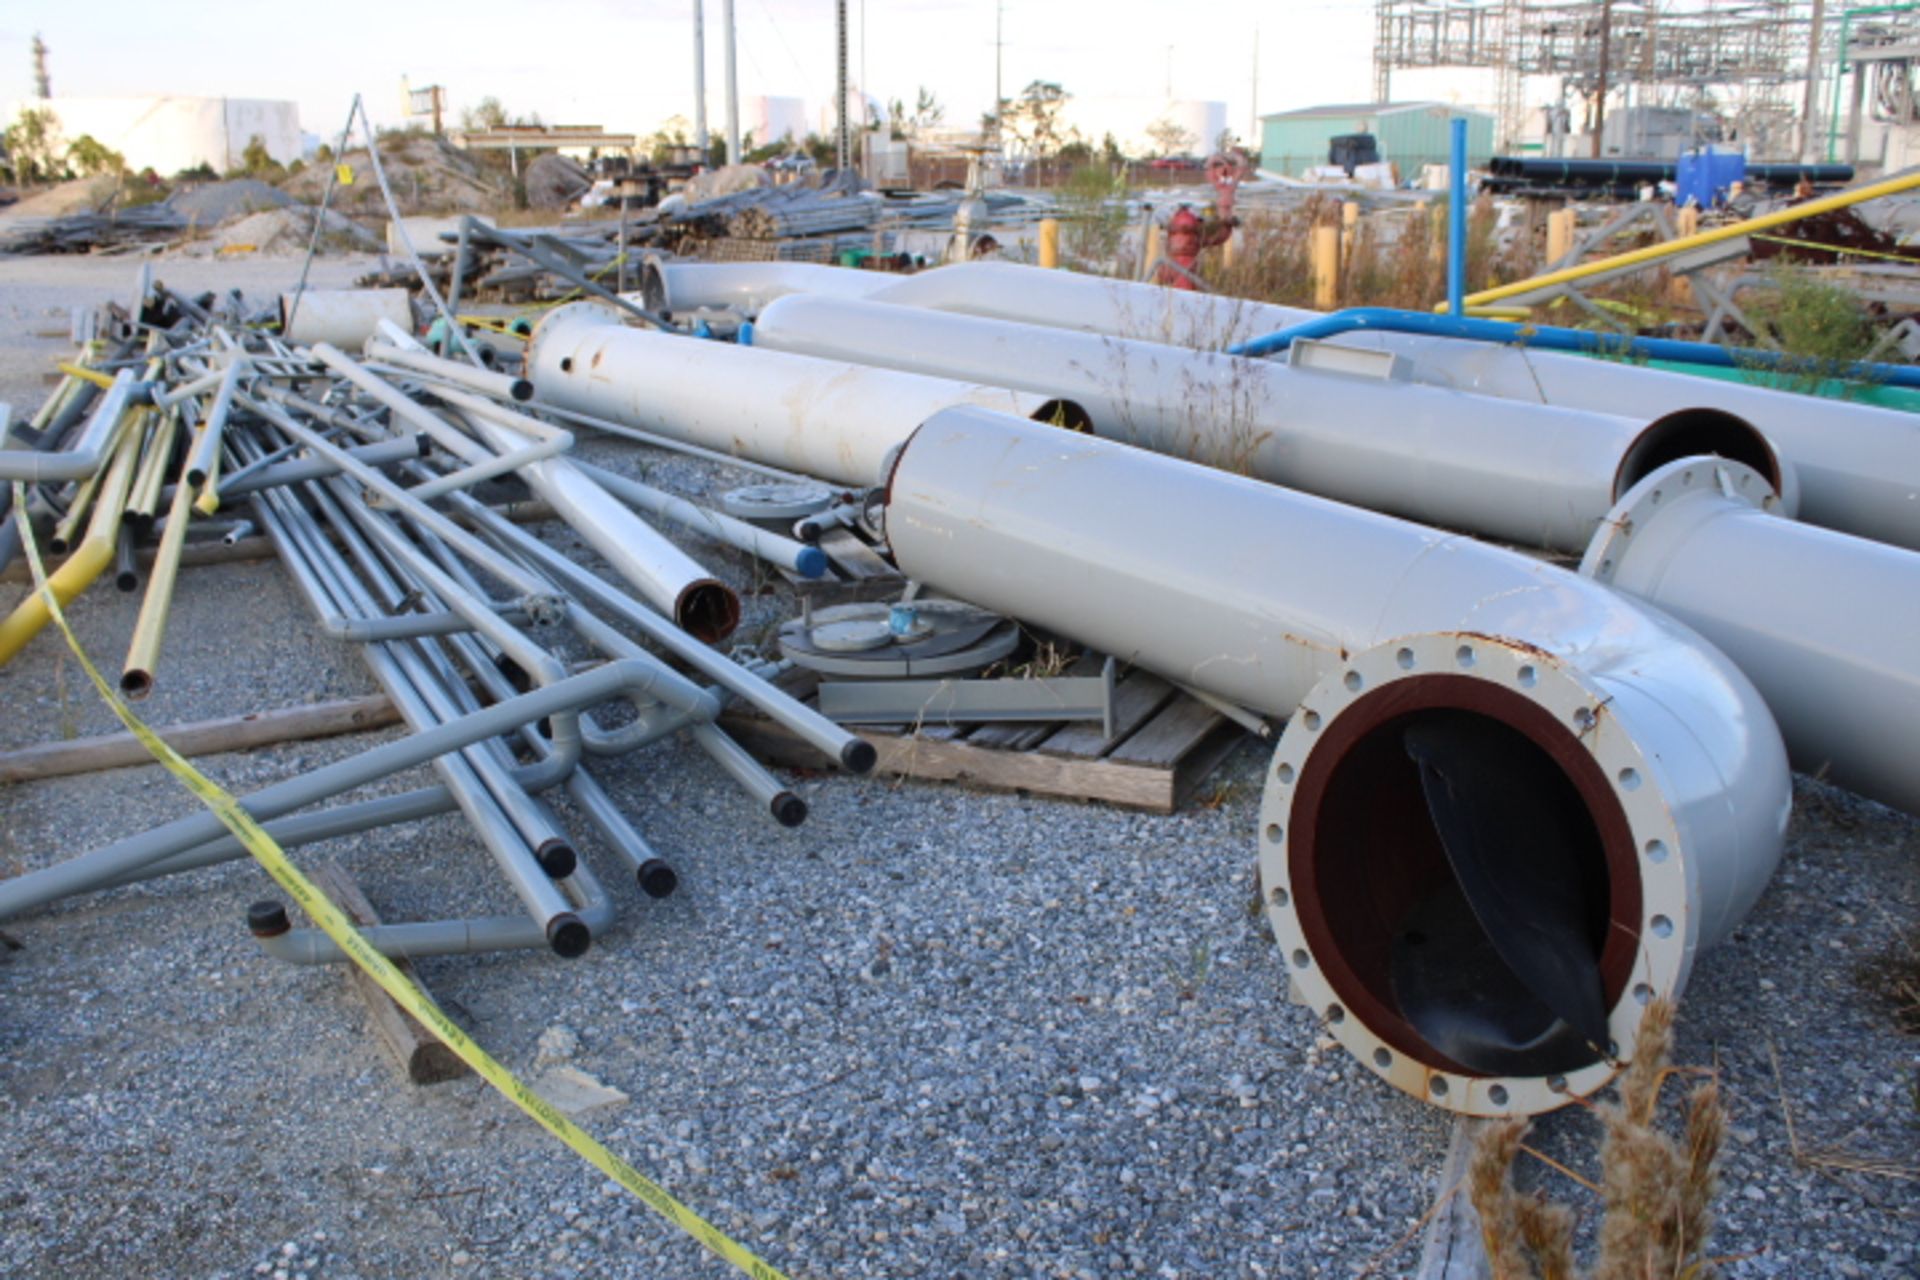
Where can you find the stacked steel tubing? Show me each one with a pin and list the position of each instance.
(340, 468)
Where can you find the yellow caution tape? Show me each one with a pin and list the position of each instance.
(350, 941)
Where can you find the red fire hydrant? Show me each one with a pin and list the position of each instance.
(1189, 232)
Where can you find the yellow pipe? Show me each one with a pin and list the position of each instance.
(143, 655)
(94, 554)
(94, 376)
(144, 498)
(1668, 248)
(209, 500)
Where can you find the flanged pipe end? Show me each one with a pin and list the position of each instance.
(1474, 871)
(858, 756)
(789, 809)
(657, 879)
(556, 858)
(521, 389)
(568, 935)
(1698, 486)
(267, 919)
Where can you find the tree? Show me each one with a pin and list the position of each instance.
(257, 162)
(927, 114)
(29, 144)
(1033, 119)
(88, 156)
(671, 134)
(1169, 137)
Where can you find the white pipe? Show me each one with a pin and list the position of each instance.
(733, 84)
(680, 287)
(1826, 625)
(458, 372)
(1660, 761)
(1523, 473)
(343, 317)
(1858, 465)
(827, 419)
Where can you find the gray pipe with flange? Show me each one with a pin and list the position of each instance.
(1827, 626)
(1511, 806)
(1523, 473)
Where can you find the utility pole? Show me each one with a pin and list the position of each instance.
(1606, 58)
(700, 79)
(42, 86)
(843, 150)
(1253, 97)
(999, 97)
(733, 89)
(1809, 135)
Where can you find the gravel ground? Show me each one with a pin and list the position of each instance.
(930, 1033)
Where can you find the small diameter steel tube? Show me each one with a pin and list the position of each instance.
(808, 562)
(787, 808)
(465, 375)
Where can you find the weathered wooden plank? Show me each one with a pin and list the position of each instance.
(1135, 699)
(200, 738)
(855, 556)
(424, 1059)
(1129, 785)
(1163, 740)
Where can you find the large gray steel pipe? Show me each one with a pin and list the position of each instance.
(1826, 625)
(1523, 473)
(1858, 465)
(830, 419)
(1510, 806)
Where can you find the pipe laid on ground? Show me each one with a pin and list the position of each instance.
(342, 317)
(833, 420)
(83, 458)
(1474, 735)
(1523, 473)
(679, 287)
(670, 579)
(1858, 465)
(808, 562)
(94, 554)
(454, 371)
(150, 628)
(1827, 626)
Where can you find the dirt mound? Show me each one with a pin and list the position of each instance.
(217, 202)
(282, 233)
(428, 175)
(82, 195)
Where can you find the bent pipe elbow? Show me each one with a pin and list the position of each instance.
(1658, 794)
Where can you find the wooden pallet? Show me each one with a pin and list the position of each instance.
(1163, 745)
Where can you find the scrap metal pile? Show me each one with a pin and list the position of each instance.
(1513, 800)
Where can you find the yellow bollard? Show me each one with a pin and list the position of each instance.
(1560, 228)
(1324, 257)
(1049, 242)
(1150, 257)
(1349, 223)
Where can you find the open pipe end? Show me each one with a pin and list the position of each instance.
(1064, 413)
(135, 683)
(1471, 870)
(1692, 433)
(568, 935)
(556, 858)
(789, 810)
(127, 580)
(857, 755)
(656, 878)
(521, 389)
(707, 610)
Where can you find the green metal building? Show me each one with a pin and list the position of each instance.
(1410, 134)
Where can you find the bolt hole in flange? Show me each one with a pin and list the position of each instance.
(1465, 877)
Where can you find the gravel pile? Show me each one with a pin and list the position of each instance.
(931, 1032)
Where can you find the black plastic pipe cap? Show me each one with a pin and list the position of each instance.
(568, 935)
(267, 919)
(858, 756)
(789, 809)
(557, 859)
(657, 879)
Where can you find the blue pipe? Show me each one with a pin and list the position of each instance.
(1555, 338)
(1457, 218)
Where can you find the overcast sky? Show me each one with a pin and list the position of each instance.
(629, 65)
